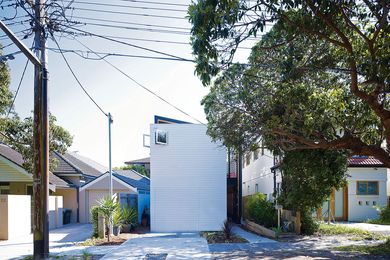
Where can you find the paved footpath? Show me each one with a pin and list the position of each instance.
(62, 240)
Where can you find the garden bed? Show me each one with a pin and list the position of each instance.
(219, 237)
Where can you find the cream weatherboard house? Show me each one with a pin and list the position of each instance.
(367, 188)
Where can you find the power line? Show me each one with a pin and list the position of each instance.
(131, 23)
(140, 85)
(138, 28)
(127, 13)
(81, 53)
(125, 6)
(154, 40)
(155, 3)
(17, 90)
(130, 44)
(78, 81)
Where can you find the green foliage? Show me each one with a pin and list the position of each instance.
(315, 80)
(384, 216)
(309, 178)
(20, 137)
(331, 230)
(261, 211)
(129, 216)
(309, 225)
(377, 249)
(108, 207)
(94, 220)
(138, 168)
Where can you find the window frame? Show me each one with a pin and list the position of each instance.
(366, 184)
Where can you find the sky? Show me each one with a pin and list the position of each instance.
(132, 107)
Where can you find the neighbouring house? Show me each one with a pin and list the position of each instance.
(144, 162)
(129, 187)
(366, 189)
(257, 175)
(77, 170)
(188, 178)
(15, 180)
(367, 185)
(16, 188)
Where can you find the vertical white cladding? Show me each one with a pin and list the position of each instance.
(188, 180)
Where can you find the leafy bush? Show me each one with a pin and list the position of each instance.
(129, 216)
(384, 214)
(308, 224)
(261, 211)
(94, 220)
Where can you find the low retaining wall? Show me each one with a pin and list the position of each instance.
(258, 229)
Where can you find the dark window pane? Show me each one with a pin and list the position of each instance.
(372, 188)
(362, 188)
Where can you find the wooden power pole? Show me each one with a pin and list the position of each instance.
(41, 139)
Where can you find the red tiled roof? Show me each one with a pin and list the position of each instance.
(364, 161)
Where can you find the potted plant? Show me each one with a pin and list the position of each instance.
(129, 219)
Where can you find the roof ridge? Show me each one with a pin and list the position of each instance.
(68, 162)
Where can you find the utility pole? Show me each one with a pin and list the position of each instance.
(41, 139)
(41, 130)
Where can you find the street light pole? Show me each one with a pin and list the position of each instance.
(110, 121)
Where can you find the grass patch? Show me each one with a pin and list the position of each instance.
(380, 249)
(220, 238)
(334, 230)
(102, 241)
(378, 222)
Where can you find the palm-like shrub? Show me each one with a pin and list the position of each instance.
(107, 208)
(129, 216)
(227, 229)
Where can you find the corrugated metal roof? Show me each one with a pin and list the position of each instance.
(364, 161)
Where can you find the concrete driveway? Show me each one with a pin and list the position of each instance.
(61, 237)
(162, 246)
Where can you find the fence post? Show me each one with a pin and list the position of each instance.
(101, 226)
(298, 223)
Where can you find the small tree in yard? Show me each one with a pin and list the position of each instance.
(308, 178)
(107, 207)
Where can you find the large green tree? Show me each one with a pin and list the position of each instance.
(18, 133)
(318, 79)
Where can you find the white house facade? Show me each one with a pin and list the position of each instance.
(257, 175)
(188, 179)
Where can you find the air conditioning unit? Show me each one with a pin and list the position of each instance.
(161, 137)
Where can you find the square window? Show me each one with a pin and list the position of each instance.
(161, 137)
(367, 188)
(372, 188)
(374, 203)
(360, 203)
(367, 203)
